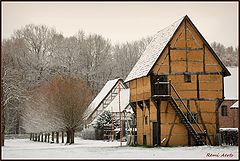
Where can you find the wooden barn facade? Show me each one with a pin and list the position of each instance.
(176, 88)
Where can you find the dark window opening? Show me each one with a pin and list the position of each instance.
(224, 110)
(158, 87)
(146, 120)
(187, 78)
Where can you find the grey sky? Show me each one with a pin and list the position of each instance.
(121, 22)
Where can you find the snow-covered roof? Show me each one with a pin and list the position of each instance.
(228, 129)
(101, 95)
(153, 51)
(114, 105)
(231, 84)
(235, 105)
(124, 101)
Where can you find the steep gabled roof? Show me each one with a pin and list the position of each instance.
(114, 105)
(124, 101)
(100, 97)
(153, 51)
(235, 105)
(156, 47)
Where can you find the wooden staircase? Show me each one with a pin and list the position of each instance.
(197, 133)
(197, 136)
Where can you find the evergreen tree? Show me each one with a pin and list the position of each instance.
(105, 119)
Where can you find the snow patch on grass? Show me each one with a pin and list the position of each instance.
(93, 149)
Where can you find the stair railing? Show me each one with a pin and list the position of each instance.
(174, 89)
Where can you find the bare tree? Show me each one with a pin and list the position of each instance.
(126, 55)
(61, 103)
(12, 88)
(228, 55)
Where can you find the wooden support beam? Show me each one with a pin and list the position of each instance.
(147, 103)
(202, 99)
(159, 123)
(181, 73)
(134, 106)
(202, 121)
(157, 104)
(190, 60)
(186, 48)
(184, 39)
(185, 28)
(140, 104)
(204, 57)
(169, 59)
(171, 129)
(198, 86)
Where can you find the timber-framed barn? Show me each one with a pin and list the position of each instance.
(176, 88)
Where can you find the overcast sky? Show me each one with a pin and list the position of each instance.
(122, 21)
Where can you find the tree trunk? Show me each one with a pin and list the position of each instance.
(45, 138)
(41, 137)
(57, 137)
(38, 137)
(30, 136)
(48, 137)
(35, 137)
(2, 126)
(68, 137)
(52, 136)
(62, 137)
(72, 136)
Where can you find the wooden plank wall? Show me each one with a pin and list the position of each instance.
(140, 89)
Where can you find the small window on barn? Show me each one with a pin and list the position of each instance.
(187, 78)
(224, 110)
(146, 120)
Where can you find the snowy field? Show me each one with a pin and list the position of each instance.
(92, 149)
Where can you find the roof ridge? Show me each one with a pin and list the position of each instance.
(180, 19)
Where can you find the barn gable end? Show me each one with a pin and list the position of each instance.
(176, 88)
(167, 39)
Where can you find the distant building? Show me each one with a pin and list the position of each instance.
(229, 111)
(102, 100)
(108, 100)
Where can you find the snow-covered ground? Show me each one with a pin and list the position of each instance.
(94, 149)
